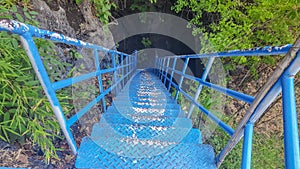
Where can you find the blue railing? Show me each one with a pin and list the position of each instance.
(282, 80)
(125, 68)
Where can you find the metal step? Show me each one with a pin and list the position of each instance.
(195, 156)
(145, 120)
(155, 105)
(147, 100)
(145, 93)
(145, 111)
(144, 128)
(158, 133)
(144, 96)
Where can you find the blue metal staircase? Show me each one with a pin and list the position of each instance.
(160, 137)
(145, 126)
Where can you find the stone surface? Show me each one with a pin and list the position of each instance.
(72, 20)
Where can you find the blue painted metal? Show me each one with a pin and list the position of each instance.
(144, 111)
(238, 95)
(11, 168)
(71, 81)
(247, 146)
(122, 64)
(186, 62)
(172, 73)
(166, 71)
(41, 72)
(114, 64)
(215, 119)
(147, 131)
(261, 107)
(203, 78)
(292, 70)
(27, 32)
(275, 90)
(264, 51)
(162, 68)
(97, 64)
(127, 68)
(291, 135)
(144, 132)
(199, 156)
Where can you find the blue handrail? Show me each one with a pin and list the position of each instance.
(284, 79)
(28, 32)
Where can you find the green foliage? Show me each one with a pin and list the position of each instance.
(78, 2)
(143, 6)
(25, 112)
(267, 151)
(219, 140)
(146, 42)
(103, 8)
(228, 25)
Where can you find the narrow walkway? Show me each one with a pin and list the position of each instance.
(144, 128)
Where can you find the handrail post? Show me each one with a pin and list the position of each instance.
(156, 65)
(127, 67)
(167, 69)
(135, 59)
(199, 89)
(131, 65)
(186, 62)
(122, 70)
(172, 73)
(97, 64)
(115, 71)
(247, 146)
(291, 136)
(162, 68)
(43, 77)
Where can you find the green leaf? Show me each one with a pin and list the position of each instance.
(6, 116)
(27, 15)
(14, 8)
(19, 17)
(12, 131)
(33, 13)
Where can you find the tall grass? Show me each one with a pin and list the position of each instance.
(25, 113)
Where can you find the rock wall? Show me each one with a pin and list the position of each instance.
(68, 18)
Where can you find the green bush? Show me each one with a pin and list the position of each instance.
(228, 25)
(25, 112)
(267, 152)
(102, 8)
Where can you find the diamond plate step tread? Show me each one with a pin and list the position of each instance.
(105, 130)
(146, 120)
(129, 111)
(190, 156)
(145, 104)
(154, 106)
(144, 128)
(145, 94)
(143, 131)
(146, 100)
